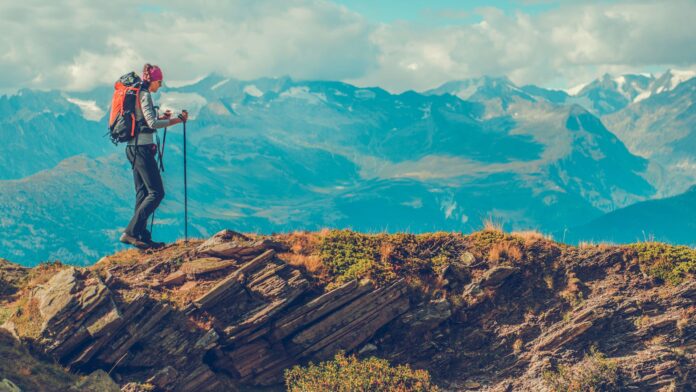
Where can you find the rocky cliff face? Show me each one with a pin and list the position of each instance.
(489, 311)
(241, 316)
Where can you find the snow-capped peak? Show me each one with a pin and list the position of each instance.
(645, 94)
(253, 90)
(219, 84)
(635, 87)
(576, 89)
(667, 82)
(674, 77)
(89, 109)
(620, 81)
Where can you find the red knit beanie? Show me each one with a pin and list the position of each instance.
(152, 73)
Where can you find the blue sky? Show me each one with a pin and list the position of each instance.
(397, 45)
(440, 12)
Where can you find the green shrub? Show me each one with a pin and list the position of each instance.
(383, 257)
(349, 374)
(348, 255)
(593, 373)
(669, 263)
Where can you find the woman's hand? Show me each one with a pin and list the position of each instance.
(183, 117)
(167, 115)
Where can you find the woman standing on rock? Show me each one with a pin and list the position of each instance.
(141, 151)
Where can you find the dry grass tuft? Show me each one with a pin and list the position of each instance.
(304, 242)
(573, 291)
(490, 224)
(386, 250)
(505, 251)
(311, 263)
(548, 279)
(586, 244)
(304, 247)
(595, 245)
(27, 319)
(531, 236)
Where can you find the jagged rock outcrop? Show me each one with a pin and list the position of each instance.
(515, 324)
(254, 317)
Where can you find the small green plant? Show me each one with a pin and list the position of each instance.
(594, 373)
(349, 255)
(384, 257)
(5, 313)
(349, 374)
(484, 240)
(673, 264)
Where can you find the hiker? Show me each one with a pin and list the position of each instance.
(141, 151)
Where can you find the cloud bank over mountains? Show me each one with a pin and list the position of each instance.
(86, 43)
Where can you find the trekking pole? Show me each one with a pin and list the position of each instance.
(152, 220)
(185, 186)
(160, 149)
(161, 168)
(160, 152)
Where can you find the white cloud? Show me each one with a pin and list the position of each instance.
(74, 46)
(570, 44)
(77, 45)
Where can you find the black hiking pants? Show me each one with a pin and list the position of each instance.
(149, 190)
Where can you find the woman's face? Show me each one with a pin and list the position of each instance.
(154, 86)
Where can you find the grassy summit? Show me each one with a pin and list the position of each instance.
(337, 256)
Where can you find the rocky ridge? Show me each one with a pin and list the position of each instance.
(247, 325)
(500, 312)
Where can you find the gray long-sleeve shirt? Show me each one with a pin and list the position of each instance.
(146, 111)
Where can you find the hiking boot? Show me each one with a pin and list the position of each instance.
(146, 237)
(154, 244)
(130, 240)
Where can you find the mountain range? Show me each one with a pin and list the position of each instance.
(276, 154)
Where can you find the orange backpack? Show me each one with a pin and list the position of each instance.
(123, 125)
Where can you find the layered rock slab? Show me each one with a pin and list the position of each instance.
(257, 317)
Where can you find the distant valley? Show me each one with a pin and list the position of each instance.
(277, 154)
